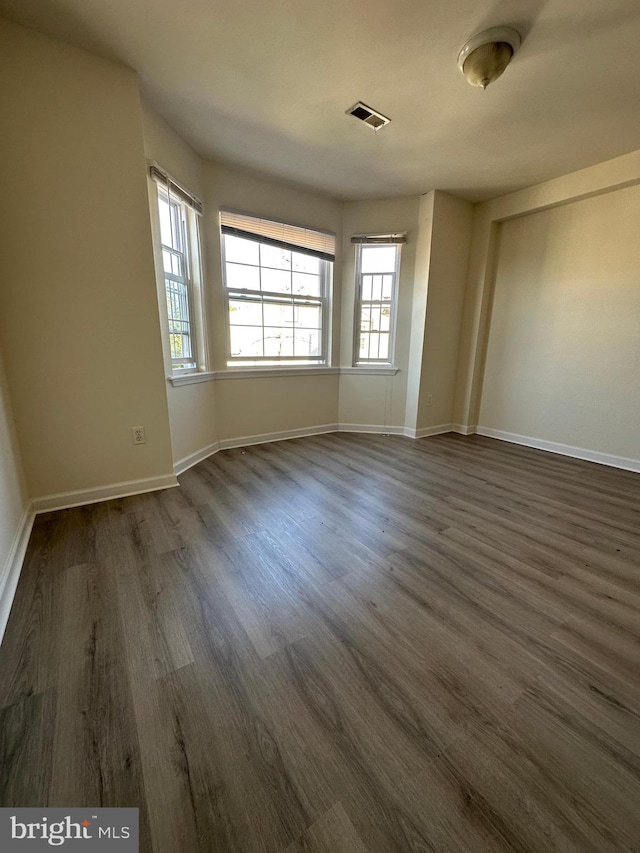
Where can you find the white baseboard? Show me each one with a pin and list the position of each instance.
(66, 500)
(463, 429)
(182, 465)
(13, 566)
(562, 449)
(281, 435)
(192, 459)
(425, 432)
(377, 429)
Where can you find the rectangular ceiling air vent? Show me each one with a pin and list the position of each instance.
(371, 117)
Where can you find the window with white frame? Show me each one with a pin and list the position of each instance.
(277, 281)
(377, 269)
(179, 248)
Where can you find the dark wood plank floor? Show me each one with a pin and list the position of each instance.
(339, 644)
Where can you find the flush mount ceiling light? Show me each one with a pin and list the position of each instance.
(486, 55)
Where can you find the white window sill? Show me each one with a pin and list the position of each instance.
(371, 370)
(270, 372)
(190, 378)
(252, 373)
(274, 372)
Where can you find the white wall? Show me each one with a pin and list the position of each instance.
(448, 267)
(14, 503)
(416, 329)
(563, 356)
(444, 232)
(78, 308)
(583, 243)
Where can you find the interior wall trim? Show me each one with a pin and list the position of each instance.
(464, 429)
(281, 435)
(425, 432)
(13, 566)
(562, 449)
(186, 462)
(192, 459)
(66, 500)
(377, 429)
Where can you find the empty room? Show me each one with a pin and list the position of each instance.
(320, 426)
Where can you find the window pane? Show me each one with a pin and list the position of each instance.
(305, 263)
(165, 222)
(307, 343)
(241, 251)
(175, 341)
(385, 319)
(387, 286)
(374, 339)
(378, 259)
(275, 281)
(278, 342)
(243, 313)
(383, 351)
(272, 256)
(246, 342)
(366, 288)
(171, 223)
(241, 277)
(376, 289)
(173, 263)
(307, 316)
(364, 347)
(306, 285)
(278, 315)
(365, 320)
(177, 301)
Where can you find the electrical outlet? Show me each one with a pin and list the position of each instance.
(138, 435)
(429, 400)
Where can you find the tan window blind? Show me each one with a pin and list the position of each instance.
(161, 177)
(322, 244)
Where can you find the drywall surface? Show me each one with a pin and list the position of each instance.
(563, 352)
(193, 415)
(452, 220)
(78, 307)
(280, 404)
(619, 173)
(13, 493)
(167, 148)
(366, 399)
(418, 323)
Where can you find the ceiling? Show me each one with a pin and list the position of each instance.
(265, 84)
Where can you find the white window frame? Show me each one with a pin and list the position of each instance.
(188, 251)
(393, 303)
(323, 301)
